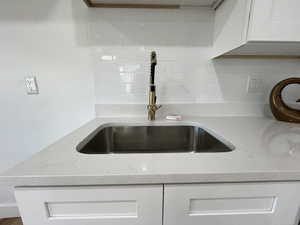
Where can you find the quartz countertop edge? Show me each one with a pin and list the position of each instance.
(265, 150)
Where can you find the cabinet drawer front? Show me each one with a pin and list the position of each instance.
(232, 204)
(110, 205)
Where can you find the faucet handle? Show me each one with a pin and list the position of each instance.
(154, 108)
(157, 107)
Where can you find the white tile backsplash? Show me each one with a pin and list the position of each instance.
(126, 80)
(121, 41)
(199, 110)
(148, 27)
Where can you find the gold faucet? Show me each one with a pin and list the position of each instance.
(152, 107)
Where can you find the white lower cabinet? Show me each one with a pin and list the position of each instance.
(106, 205)
(178, 204)
(232, 204)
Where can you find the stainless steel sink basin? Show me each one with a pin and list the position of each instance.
(152, 139)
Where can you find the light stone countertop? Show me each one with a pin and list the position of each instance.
(266, 150)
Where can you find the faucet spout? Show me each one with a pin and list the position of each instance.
(152, 107)
(153, 65)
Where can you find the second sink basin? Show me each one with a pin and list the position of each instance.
(152, 139)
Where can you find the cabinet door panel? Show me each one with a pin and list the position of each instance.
(275, 20)
(115, 205)
(232, 204)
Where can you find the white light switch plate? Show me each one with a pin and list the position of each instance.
(31, 85)
(255, 85)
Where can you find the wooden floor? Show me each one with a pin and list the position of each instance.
(12, 221)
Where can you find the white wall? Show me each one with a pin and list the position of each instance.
(40, 38)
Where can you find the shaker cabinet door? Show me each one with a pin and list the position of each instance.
(232, 204)
(111, 205)
(275, 20)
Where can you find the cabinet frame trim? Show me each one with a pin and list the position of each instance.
(90, 4)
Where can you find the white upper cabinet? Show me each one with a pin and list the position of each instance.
(152, 3)
(257, 27)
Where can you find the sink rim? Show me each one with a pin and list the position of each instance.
(91, 135)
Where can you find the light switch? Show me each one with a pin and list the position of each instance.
(31, 85)
(255, 85)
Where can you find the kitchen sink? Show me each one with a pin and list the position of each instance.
(116, 139)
